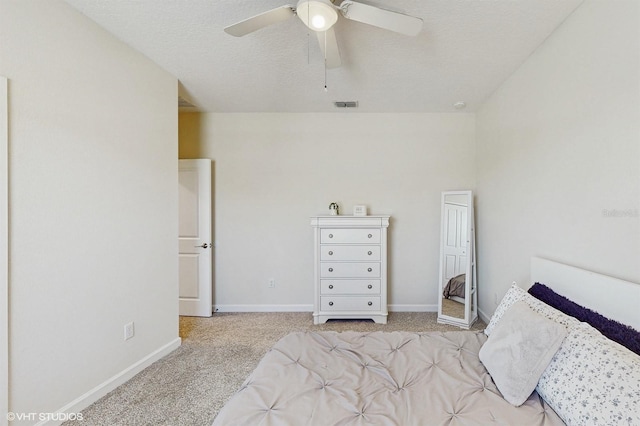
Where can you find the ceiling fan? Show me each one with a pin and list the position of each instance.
(320, 16)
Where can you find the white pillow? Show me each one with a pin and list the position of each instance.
(515, 294)
(519, 350)
(592, 380)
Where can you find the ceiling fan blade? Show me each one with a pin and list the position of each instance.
(262, 20)
(386, 19)
(329, 47)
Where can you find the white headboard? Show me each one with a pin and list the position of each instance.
(614, 298)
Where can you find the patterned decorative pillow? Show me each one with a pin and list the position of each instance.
(515, 294)
(592, 380)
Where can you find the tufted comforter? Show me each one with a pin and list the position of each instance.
(380, 378)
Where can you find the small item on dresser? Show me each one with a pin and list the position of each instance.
(334, 210)
(359, 210)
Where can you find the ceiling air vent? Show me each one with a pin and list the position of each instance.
(183, 103)
(346, 104)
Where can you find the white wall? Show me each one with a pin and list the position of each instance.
(558, 144)
(93, 204)
(274, 171)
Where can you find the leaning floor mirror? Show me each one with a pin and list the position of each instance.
(458, 296)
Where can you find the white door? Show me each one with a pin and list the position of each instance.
(455, 240)
(195, 253)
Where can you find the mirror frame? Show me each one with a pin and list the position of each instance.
(471, 287)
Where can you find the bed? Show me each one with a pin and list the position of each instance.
(566, 372)
(455, 288)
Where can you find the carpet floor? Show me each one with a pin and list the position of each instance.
(190, 385)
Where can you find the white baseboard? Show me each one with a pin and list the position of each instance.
(484, 317)
(309, 308)
(263, 308)
(413, 308)
(104, 388)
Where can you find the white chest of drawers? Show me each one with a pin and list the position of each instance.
(350, 263)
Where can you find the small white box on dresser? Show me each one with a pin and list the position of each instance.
(350, 268)
(359, 210)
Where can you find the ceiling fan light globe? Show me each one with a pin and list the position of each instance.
(318, 15)
(318, 22)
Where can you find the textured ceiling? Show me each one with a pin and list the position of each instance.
(466, 49)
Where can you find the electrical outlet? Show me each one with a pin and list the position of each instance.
(128, 331)
(272, 283)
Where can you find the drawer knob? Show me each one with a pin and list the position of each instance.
(370, 303)
(331, 303)
(330, 235)
(369, 269)
(369, 286)
(330, 253)
(369, 236)
(330, 286)
(369, 252)
(330, 269)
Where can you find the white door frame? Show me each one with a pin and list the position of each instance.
(4, 251)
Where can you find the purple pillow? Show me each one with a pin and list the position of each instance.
(623, 334)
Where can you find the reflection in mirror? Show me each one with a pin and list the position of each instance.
(457, 304)
(455, 254)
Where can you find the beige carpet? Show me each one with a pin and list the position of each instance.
(453, 308)
(189, 386)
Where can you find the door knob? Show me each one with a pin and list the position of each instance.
(203, 245)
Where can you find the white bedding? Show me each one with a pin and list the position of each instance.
(380, 378)
(402, 378)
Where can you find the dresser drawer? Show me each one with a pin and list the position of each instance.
(349, 252)
(349, 270)
(338, 287)
(350, 303)
(356, 236)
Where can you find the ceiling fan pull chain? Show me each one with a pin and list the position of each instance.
(325, 77)
(325, 62)
(308, 40)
